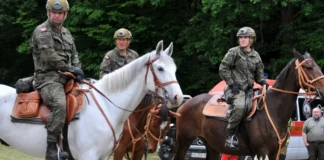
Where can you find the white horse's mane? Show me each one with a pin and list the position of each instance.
(120, 78)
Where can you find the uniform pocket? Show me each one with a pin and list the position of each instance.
(57, 43)
(68, 43)
(119, 62)
(253, 64)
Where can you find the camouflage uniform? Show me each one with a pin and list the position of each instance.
(53, 50)
(243, 69)
(114, 60)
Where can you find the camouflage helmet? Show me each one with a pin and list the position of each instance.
(123, 34)
(57, 5)
(246, 31)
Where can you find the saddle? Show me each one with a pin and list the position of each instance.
(218, 108)
(29, 107)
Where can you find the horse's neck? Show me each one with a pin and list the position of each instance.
(127, 98)
(141, 116)
(281, 105)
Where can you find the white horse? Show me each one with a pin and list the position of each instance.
(90, 137)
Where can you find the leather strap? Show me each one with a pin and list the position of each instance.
(106, 118)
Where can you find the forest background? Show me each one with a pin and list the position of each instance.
(202, 32)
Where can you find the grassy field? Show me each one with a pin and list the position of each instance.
(7, 153)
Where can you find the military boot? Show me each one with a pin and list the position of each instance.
(232, 140)
(53, 151)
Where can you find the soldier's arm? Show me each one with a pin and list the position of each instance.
(259, 72)
(106, 65)
(225, 67)
(304, 133)
(45, 43)
(75, 57)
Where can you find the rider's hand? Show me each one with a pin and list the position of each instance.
(235, 88)
(265, 83)
(78, 73)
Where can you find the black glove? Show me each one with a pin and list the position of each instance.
(235, 88)
(78, 73)
(265, 83)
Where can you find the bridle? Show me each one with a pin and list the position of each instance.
(157, 82)
(303, 80)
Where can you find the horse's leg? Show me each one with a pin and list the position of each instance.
(211, 153)
(139, 150)
(121, 150)
(183, 142)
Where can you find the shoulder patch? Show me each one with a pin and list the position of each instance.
(43, 30)
(107, 57)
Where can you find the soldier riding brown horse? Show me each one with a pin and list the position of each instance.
(266, 132)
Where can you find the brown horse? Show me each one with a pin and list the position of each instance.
(259, 137)
(143, 123)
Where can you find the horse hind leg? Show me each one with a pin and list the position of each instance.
(182, 145)
(211, 153)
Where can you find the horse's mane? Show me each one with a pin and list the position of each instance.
(147, 100)
(290, 67)
(120, 78)
(284, 73)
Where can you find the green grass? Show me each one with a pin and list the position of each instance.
(7, 153)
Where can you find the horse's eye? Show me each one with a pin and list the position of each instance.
(160, 69)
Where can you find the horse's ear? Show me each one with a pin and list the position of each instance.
(169, 50)
(159, 48)
(307, 55)
(298, 56)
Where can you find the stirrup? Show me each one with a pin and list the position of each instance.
(61, 155)
(232, 143)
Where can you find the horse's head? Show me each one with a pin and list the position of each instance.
(309, 74)
(158, 126)
(161, 77)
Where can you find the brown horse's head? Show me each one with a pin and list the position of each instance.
(309, 74)
(158, 127)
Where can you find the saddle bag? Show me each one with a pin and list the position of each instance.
(28, 104)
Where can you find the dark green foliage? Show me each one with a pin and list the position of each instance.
(202, 32)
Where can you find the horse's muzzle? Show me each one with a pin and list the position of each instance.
(320, 94)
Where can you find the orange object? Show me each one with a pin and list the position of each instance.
(229, 157)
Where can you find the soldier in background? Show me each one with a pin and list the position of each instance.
(54, 51)
(313, 135)
(119, 56)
